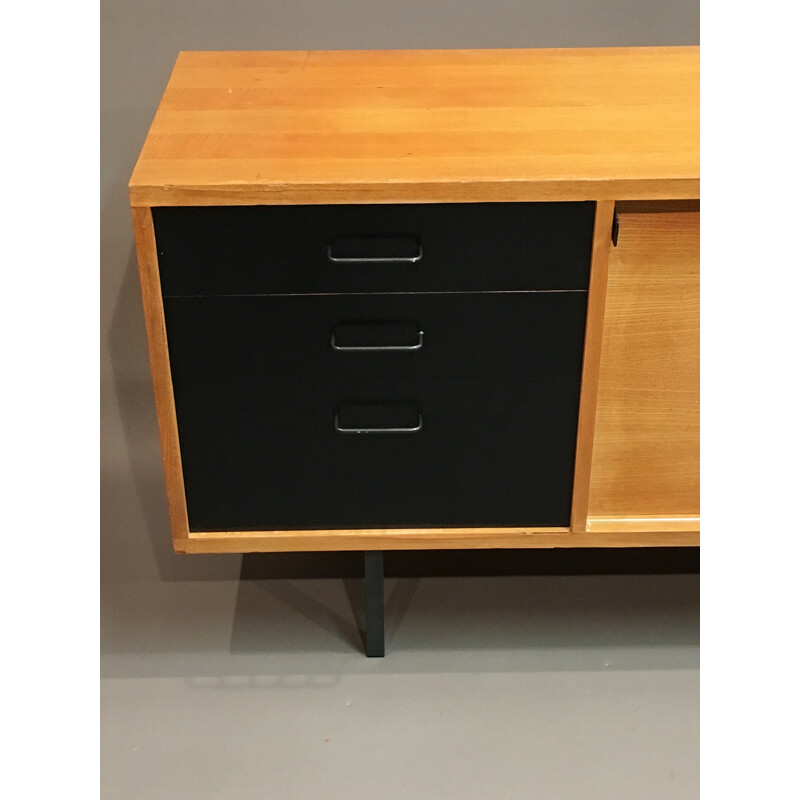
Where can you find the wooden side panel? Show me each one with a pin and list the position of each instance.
(595, 310)
(162, 377)
(646, 457)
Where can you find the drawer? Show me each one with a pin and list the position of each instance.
(261, 455)
(373, 248)
(533, 334)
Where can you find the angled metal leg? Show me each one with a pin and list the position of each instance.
(373, 591)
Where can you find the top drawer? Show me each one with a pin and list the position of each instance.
(373, 248)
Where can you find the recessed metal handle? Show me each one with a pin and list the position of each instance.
(340, 429)
(376, 348)
(374, 260)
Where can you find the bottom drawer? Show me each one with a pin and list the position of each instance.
(271, 455)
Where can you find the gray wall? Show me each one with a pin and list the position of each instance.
(139, 43)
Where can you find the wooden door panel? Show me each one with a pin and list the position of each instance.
(646, 455)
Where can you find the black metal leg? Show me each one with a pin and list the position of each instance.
(373, 591)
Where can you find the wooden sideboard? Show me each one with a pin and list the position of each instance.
(425, 299)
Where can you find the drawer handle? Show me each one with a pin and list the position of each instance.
(376, 348)
(340, 429)
(375, 259)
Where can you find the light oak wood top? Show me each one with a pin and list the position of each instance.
(424, 126)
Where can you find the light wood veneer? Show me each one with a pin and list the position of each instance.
(424, 126)
(646, 458)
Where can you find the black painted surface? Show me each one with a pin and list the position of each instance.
(527, 334)
(374, 644)
(441, 563)
(266, 454)
(424, 388)
(284, 249)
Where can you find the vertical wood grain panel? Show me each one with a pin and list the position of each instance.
(604, 217)
(646, 456)
(159, 366)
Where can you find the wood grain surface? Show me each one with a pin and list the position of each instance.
(646, 458)
(593, 337)
(160, 369)
(424, 126)
(641, 534)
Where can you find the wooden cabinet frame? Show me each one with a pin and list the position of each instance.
(569, 137)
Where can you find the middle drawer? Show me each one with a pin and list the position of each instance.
(533, 334)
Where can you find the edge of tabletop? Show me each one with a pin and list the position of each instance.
(233, 194)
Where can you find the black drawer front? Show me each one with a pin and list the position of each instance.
(263, 455)
(373, 248)
(533, 334)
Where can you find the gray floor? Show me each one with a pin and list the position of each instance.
(524, 687)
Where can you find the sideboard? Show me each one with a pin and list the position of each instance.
(425, 299)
